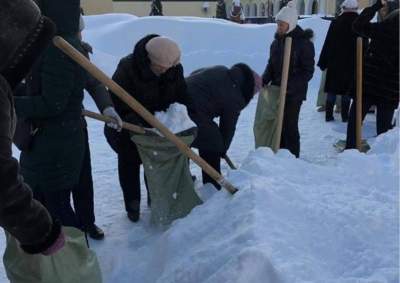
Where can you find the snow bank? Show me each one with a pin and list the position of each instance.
(292, 221)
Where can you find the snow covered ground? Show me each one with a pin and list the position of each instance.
(325, 217)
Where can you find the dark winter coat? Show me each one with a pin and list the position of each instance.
(301, 67)
(155, 93)
(55, 158)
(381, 61)
(338, 54)
(221, 10)
(218, 92)
(20, 215)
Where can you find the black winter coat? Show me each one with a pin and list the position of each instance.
(155, 93)
(301, 67)
(381, 62)
(338, 54)
(216, 93)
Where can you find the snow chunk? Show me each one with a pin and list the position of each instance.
(176, 118)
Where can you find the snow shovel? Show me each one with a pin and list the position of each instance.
(359, 93)
(125, 125)
(229, 162)
(139, 109)
(284, 82)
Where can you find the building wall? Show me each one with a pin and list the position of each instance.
(170, 8)
(252, 8)
(92, 7)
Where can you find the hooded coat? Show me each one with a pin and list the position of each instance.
(301, 68)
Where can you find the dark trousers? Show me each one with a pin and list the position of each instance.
(129, 177)
(290, 138)
(345, 106)
(82, 193)
(384, 117)
(58, 203)
(214, 159)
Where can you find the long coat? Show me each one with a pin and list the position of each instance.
(54, 160)
(381, 61)
(20, 215)
(301, 67)
(215, 93)
(338, 55)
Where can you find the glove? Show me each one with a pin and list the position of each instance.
(56, 246)
(117, 122)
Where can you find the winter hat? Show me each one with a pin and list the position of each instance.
(244, 77)
(24, 34)
(288, 14)
(350, 5)
(163, 51)
(236, 3)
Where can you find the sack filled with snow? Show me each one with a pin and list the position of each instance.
(266, 122)
(75, 262)
(168, 176)
(176, 118)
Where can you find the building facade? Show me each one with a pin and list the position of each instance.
(252, 8)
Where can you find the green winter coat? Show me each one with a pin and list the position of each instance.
(54, 160)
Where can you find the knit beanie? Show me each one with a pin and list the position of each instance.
(350, 5)
(163, 51)
(288, 14)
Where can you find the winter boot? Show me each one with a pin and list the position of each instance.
(95, 232)
(329, 111)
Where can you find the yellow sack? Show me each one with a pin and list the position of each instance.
(74, 263)
(265, 122)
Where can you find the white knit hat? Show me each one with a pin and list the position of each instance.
(350, 5)
(236, 3)
(288, 14)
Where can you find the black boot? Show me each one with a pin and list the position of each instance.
(329, 111)
(133, 210)
(134, 215)
(95, 232)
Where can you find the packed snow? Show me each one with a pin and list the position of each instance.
(175, 118)
(325, 217)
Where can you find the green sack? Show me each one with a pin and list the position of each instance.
(75, 262)
(265, 122)
(321, 100)
(168, 176)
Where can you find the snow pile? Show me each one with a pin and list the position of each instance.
(176, 118)
(292, 221)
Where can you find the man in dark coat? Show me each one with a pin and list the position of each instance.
(153, 75)
(25, 33)
(301, 70)
(381, 69)
(338, 57)
(52, 165)
(218, 92)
